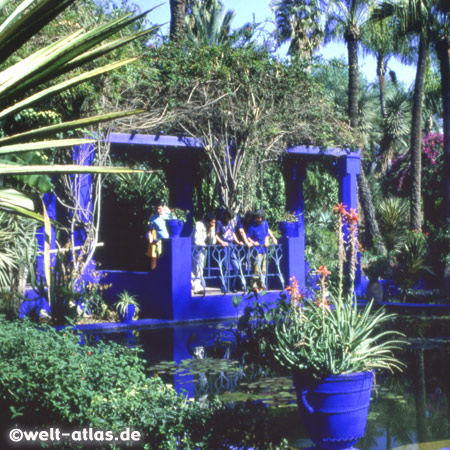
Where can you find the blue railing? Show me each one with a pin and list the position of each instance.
(237, 267)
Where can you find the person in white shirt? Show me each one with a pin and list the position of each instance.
(204, 234)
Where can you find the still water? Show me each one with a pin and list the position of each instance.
(406, 408)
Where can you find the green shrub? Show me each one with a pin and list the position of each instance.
(48, 378)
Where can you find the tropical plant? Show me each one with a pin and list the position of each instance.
(288, 216)
(180, 214)
(301, 23)
(125, 300)
(329, 335)
(24, 84)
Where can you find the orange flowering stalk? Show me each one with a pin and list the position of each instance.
(323, 272)
(295, 293)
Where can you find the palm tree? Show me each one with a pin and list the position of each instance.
(301, 23)
(414, 17)
(208, 23)
(345, 18)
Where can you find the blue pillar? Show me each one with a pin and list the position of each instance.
(84, 156)
(294, 173)
(348, 169)
(180, 179)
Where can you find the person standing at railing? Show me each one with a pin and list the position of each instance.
(157, 231)
(226, 237)
(204, 234)
(258, 234)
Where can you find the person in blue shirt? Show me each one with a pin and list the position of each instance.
(157, 231)
(258, 234)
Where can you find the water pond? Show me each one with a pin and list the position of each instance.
(406, 408)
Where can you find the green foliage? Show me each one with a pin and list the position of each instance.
(393, 219)
(412, 260)
(329, 335)
(325, 342)
(17, 253)
(46, 377)
(125, 300)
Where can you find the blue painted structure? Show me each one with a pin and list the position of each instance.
(165, 292)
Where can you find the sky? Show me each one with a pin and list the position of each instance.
(246, 10)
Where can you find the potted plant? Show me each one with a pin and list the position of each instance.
(288, 224)
(176, 220)
(127, 307)
(332, 349)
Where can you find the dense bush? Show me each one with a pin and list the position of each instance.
(48, 379)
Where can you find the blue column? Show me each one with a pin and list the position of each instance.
(84, 156)
(180, 179)
(348, 169)
(294, 173)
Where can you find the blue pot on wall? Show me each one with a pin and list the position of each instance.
(174, 227)
(334, 409)
(129, 314)
(288, 229)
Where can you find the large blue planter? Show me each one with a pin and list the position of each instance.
(288, 229)
(174, 227)
(334, 410)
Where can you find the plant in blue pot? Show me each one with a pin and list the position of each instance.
(288, 224)
(176, 221)
(332, 348)
(127, 307)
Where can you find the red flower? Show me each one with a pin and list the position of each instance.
(323, 271)
(339, 208)
(351, 216)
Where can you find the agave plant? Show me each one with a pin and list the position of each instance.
(38, 77)
(330, 335)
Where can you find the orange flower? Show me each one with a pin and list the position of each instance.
(339, 208)
(323, 271)
(352, 216)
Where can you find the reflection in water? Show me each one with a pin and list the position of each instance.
(406, 408)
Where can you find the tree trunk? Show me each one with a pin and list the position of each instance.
(353, 81)
(416, 135)
(177, 16)
(372, 234)
(381, 71)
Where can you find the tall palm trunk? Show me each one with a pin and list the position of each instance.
(177, 16)
(372, 233)
(381, 71)
(416, 135)
(353, 81)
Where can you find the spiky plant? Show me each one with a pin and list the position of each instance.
(39, 76)
(330, 335)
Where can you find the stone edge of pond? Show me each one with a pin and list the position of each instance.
(140, 323)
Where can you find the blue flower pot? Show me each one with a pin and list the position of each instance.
(334, 409)
(174, 227)
(288, 229)
(128, 316)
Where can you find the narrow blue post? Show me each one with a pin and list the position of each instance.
(181, 181)
(348, 169)
(84, 156)
(294, 248)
